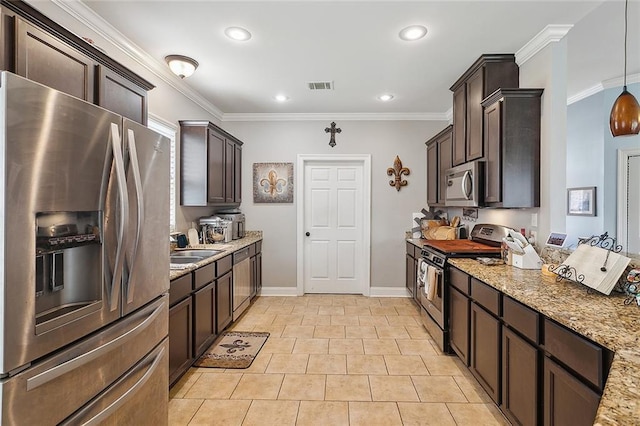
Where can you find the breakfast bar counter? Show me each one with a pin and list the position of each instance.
(605, 320)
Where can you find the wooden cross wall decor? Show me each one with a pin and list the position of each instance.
(333, 130)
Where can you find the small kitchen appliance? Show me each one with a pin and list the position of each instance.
(215, 230)
(237, 219)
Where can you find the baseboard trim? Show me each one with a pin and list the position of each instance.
(279, 291)
(388, 292)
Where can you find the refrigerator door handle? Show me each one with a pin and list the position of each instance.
(137, 181)
(122, 399)
(116, 145)
(79, 361)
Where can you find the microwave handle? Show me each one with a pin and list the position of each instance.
(467, 190)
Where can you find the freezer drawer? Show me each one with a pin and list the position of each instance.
(56, 387)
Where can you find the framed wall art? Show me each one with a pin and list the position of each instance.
(273, 182)
(581, 201)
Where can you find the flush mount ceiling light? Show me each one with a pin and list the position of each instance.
(237, 34)
(625, 112)
(281, 98)
(385, 97)
(182, 66)
(413, 32)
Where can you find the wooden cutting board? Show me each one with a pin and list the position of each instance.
(461, 246)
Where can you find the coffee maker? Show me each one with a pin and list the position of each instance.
(237, 220)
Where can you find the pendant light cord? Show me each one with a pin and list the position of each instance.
(626, 5)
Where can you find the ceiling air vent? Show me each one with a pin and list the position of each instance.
(320, 85)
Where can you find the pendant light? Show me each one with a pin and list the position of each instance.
(625, 112)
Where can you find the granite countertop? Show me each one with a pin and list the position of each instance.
(603, 319)
(228, 248)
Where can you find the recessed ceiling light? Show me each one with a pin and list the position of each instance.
(237, 33)
(386, 97)
(281, 98)
(413, 32)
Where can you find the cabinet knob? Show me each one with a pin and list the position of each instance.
(308, 234)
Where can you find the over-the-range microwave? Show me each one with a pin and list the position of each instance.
(465, 185)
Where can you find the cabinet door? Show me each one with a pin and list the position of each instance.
(475, 86)
(459, 324)
(43, 58)
(254, 276)
(567, 401)
(459, 125)
(180, 343)
(230, 149)
(493, 165)
(215, 171)
(520, 370)
(6, 41)
(432, 174)
(444, 162)
(485, 350)
(259, 273)
(121, 96)
(204, 318)
(223, 301)
(237, 174)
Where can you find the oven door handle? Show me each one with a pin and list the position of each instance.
(439, 279)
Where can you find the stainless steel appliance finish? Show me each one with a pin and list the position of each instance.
(238, 222)
(241, 282)
(485, 240)
(84, 193)
(465, 185)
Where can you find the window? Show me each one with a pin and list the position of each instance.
(169, 130)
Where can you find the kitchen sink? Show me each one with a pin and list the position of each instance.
(184, 259)
(202, 254)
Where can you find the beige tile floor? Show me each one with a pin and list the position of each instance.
(335, 360)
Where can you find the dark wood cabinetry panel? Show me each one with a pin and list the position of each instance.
(121, 96)
(485, 352)
(459, 324)
(43, 58)
(439, 149)
(237, 175)
(180, 335)
(475, 95)
(204, 318)
(459, 125)
(520, 374)
(445, 149)
(567, 401)
(410, 274)
(229, 171)
(224, 302)
(216, 178)
(432, 174)
(512, 146)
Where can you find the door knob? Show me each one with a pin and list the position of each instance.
(308, 234)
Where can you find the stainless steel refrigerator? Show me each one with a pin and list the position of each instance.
(84, 210)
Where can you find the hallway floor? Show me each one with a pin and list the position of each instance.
(335, 360)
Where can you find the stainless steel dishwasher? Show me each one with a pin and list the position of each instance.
(241, 282)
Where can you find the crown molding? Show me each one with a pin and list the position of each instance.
(335, 116)
(619, 81)
(550, 34)
(585, 93)
(82, 13)
(606, 84)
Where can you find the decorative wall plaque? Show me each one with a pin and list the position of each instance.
(273, 182)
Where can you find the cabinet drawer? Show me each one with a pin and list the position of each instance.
(259, 247)
(179, 289)
(522, 319)
(459, 280)
(252, 250)
(240, 255)
(576, 352)
(224, 265)
(486, 296)
(411, 250)
(204, 275)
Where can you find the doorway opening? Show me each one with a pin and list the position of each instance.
(628, 229)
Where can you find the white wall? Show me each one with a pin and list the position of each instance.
(390, 210)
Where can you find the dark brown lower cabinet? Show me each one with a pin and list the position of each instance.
(224, 308)
(520, 370)
(204, 318)
(180, 338)
(485, 350)
(410, 273)
(459, 324)
(258, 273)
(567, 401)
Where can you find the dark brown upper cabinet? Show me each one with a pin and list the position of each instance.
(211, 167)
(487, 74)
(512, 148)
(120, 95)
(439, 151)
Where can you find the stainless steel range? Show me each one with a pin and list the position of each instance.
(485, 241)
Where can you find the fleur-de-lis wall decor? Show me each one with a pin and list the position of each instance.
(273, 184)
(398, 171)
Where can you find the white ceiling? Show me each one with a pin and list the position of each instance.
(355, 44)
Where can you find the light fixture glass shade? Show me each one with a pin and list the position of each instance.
(182, 66)
(625, 115)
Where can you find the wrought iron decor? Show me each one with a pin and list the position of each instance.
(397, 170)
(333, 130)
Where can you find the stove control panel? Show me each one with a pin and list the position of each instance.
(434, 258)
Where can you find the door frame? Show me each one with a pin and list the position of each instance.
(623, 184)
(365, 160)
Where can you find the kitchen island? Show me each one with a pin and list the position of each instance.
(603, 319)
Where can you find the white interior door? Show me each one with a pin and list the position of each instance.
(333, 226)
(633, 204)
